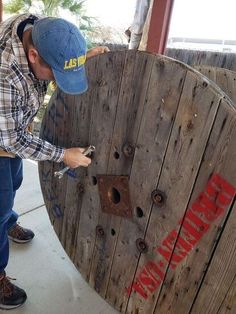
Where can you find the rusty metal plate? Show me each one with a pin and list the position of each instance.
(114, 195)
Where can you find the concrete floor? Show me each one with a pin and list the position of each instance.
(42, 268)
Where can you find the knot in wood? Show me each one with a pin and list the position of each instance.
(141, 245)
(80, 188)
(128, 150)
(101, 82)
(190, 125)
(100, 231)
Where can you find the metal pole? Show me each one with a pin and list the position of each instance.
(1, 10)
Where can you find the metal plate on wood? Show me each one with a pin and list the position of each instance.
(114, 195)
(171, 130)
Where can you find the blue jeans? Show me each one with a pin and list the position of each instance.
(11, 177)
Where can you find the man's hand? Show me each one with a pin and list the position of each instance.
(96, 51)
(74, 158)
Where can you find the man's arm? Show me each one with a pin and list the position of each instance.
(25, 144)
(15, 138)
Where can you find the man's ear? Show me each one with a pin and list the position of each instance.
(33, 55)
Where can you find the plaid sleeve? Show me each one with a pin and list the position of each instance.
(14, 138)
(26, 145)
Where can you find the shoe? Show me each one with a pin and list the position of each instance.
(11, 296)
(19, 234)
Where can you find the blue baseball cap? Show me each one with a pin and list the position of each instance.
(63, 47)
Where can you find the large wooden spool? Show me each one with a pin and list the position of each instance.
(151, 223)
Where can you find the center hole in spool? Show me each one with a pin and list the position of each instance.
(114, 195)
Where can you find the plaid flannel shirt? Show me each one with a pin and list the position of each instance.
(21, 96)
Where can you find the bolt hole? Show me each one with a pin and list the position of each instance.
(139, 212)
(113, 232)
(114, 195)
(94, 180)
(116, 155)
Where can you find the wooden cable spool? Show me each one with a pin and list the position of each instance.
(151, 223)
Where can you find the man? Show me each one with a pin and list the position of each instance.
(33, 51)
(135, 31)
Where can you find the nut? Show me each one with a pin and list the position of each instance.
(158, 197)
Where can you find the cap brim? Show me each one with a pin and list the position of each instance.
(72, 82)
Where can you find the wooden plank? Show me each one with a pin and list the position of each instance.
(58, 116)
(194, 119)
(199, 57)
(78, 123)
(229, 303)
(51, 133)
(43, 166)
(60, 139)
(103, 119)
(224, 78)
(208, 71)
(221, 271)
(182, 283)
(129, 113)
(161, 102)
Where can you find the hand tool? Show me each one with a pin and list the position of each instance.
(60, 173)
